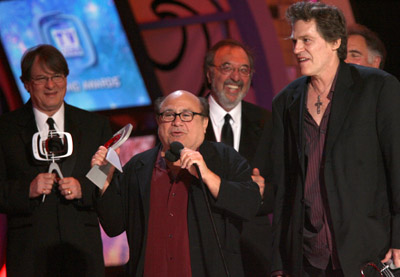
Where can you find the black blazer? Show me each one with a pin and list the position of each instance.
(361, 170)
(255, 141)
(125, 206)
(41, 235)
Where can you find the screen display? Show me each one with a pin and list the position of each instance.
(104, 73)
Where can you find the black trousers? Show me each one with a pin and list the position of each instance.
(311, 271)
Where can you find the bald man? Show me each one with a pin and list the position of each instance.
(160, 203)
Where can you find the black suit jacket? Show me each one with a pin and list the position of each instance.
(125, 206)
(255, 141)
(361, 169)
(57, 235)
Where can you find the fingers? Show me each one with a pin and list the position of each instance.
(42, 184)
(190, 157)
(257, 178)
(256, 172)
(99, 158)
(70, 188)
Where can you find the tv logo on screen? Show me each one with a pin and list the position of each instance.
(69, 35)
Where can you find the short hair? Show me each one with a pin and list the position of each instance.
(210, 55)
(374, 43)
(50, 56)
(205, 107)
(330, 21)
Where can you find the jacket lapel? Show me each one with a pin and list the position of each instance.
(342, 98)
(143, 177)
(71, 127)
(250, 133)
(296, 114)
(210, 135)
(27, 125)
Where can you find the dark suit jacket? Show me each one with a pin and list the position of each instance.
(361, 169)
(255, 138)
(125, 206)
(57, 235)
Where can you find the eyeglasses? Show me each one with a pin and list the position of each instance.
(42, 80)
(227, 69)
(186, 116)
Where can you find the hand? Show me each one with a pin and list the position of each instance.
(42, 184)
(99, 159)
(259, 180)
(70, 188)
(189, 158)
(394, 255)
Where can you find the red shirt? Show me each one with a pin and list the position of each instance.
(167, 245)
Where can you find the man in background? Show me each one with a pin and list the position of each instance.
(53, 229)
(228, 69)
(364, 47)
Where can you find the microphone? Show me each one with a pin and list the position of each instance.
(174, 152)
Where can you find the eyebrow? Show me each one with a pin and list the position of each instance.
(355, 51)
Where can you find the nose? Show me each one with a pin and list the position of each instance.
(297, 47)
(177, 120)
(235, 75)
(50, 82)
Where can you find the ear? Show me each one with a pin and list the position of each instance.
(376, 62)
(27, 87)
(336, 44)
(208, 76)
(205, 124)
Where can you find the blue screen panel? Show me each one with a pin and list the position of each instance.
(104, 74)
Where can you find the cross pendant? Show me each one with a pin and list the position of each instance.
(318, 104)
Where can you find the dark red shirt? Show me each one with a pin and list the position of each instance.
(318, 242)
(167, 244)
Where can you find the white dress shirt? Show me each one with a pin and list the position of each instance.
(42, 125)
(217, 118)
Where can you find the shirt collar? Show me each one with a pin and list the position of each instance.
(41, 119)
(219, 113)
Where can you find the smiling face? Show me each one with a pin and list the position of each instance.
(229, 89)
(358, 53)
(314, 54)
(190, 134)
(47, 97)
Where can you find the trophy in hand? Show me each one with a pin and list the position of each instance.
(98, 174)
(55, 146)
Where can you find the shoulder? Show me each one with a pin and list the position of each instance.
(147, 157)
(214, 151)
(19, 116)
(80, 114)
(254, 110)
(291, 88)
(364, 75)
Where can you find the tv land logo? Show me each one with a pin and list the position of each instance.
(69, 34)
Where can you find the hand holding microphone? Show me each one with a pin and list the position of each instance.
(193, 161)
(189, 159)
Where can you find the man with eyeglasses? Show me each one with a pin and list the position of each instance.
(160, 203)
(59, 234)
(228, 70)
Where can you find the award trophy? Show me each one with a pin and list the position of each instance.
(98, 174)
(55, 146)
